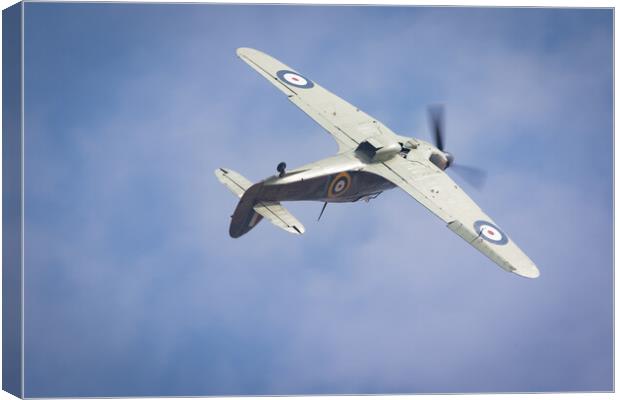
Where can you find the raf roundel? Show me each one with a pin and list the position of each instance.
(339, 184)
(490, 232)
(294, 79)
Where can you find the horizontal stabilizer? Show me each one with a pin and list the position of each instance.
(271, 210)
(279, 216)
(233, 181)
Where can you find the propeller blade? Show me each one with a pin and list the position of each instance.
(436, 121)
(476, 177)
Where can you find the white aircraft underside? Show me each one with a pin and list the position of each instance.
(371, 158)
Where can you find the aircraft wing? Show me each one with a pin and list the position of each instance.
(346, 123)
(436, 191)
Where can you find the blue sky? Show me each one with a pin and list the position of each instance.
(133, 286)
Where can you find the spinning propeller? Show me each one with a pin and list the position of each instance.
(474, 176)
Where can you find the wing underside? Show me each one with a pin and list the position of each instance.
(436, 191)
(348, 125)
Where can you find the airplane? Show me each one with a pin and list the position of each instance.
(371, 159)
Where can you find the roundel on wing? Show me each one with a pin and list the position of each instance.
(340, 184)
(490, 232)
(294, 79)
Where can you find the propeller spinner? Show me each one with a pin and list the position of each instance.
(474, 176)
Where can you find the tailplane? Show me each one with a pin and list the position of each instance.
(250, 211)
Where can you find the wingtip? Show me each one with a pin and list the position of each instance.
(244, 51)
(531, 272)
(296, 229)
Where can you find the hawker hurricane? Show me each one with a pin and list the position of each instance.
(371, 159)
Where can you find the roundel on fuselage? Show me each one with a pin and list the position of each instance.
(339, 184)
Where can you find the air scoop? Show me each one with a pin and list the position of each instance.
(379, 149)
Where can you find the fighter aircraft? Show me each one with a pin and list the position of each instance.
(370, 159)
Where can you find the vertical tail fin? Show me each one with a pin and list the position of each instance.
(250, 211)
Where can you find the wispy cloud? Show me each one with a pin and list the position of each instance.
(129, 266)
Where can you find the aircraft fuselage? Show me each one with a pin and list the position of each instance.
(336, 179)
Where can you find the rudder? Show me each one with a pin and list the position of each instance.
(250, 211)
(245, 217)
